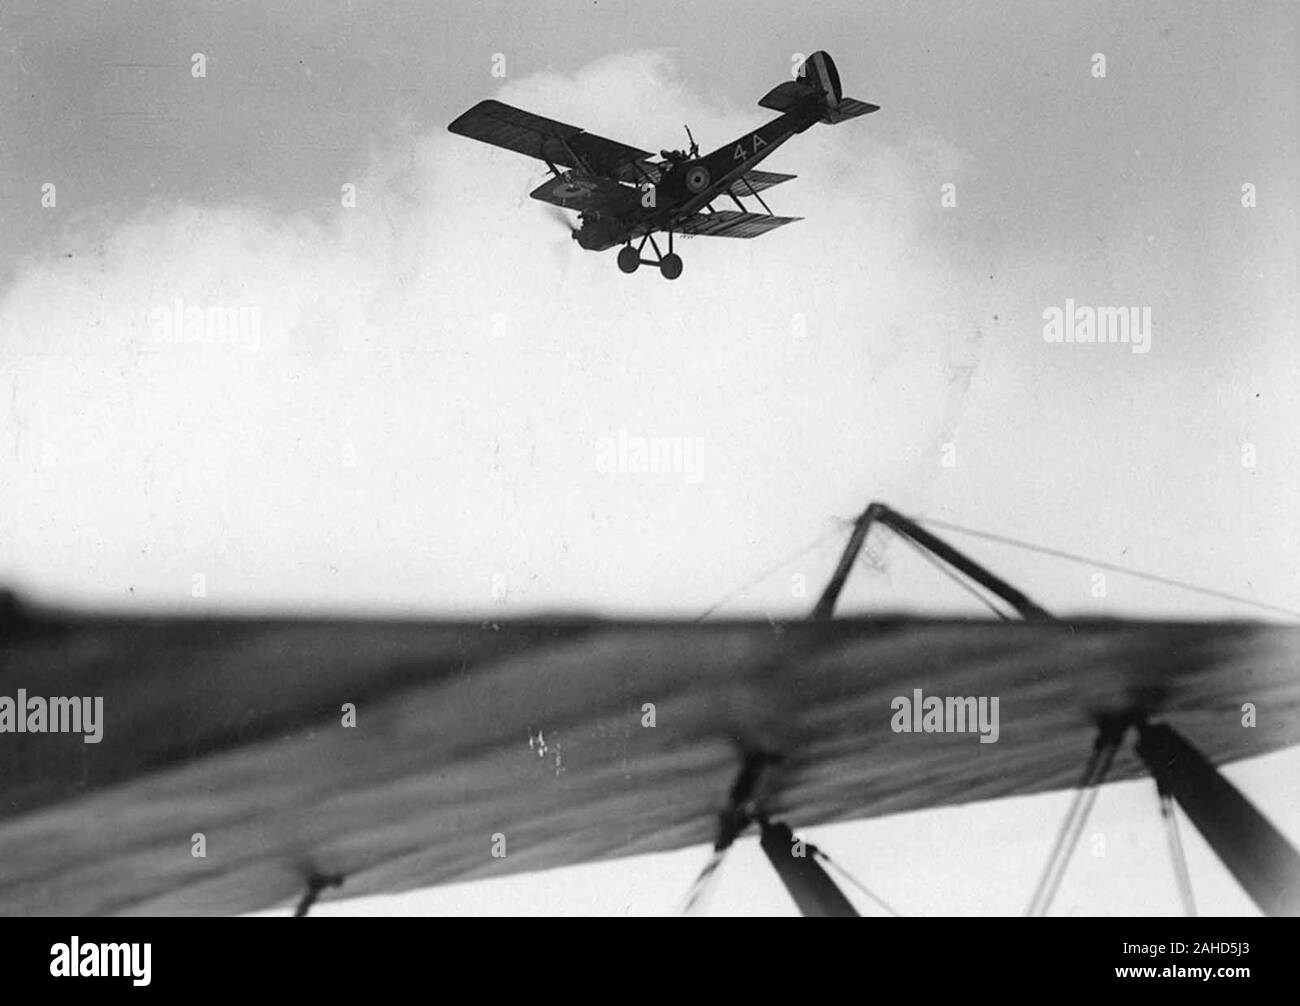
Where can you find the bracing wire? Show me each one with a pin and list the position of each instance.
(959, 580)
(769, 570)
(1113, 567)
(856, 883)
(1085, 795)
(1181, 874)
(703, 884)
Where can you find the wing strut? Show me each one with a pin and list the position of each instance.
(1263, 861)
(315, 884)
(795, 862)
(742, 802)
(878, 512)
(754, 192)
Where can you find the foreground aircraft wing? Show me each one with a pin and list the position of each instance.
(731, 224)
(563, 145)
(536, 730)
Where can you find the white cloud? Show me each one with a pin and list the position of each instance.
(436, 366)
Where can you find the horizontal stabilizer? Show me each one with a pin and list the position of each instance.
(848, 108)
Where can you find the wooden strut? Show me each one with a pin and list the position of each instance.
(880, 513)
(1254, 851)
(315, 884)
(796, 864)
(811, 887)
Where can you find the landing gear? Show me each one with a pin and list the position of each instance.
(670, 265)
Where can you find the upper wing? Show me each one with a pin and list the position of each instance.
(533, 729)
(546, 139)
(731, 224)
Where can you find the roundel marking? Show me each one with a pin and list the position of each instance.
(572, 188)
(697, 178)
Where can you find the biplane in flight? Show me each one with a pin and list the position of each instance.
(623, 196)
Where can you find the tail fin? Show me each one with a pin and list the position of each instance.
(817, 79)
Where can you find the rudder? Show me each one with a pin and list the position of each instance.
(817, 78)
(819, 71)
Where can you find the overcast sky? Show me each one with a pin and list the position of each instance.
(418, 422)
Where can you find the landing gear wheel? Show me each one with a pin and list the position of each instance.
(671, 265)
(629, 258)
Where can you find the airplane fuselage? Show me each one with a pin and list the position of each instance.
(691, 184)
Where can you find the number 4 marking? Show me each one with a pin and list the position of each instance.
(740, 154)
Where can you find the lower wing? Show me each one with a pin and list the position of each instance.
(731, 224)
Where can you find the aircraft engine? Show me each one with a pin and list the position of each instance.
(599, 233)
